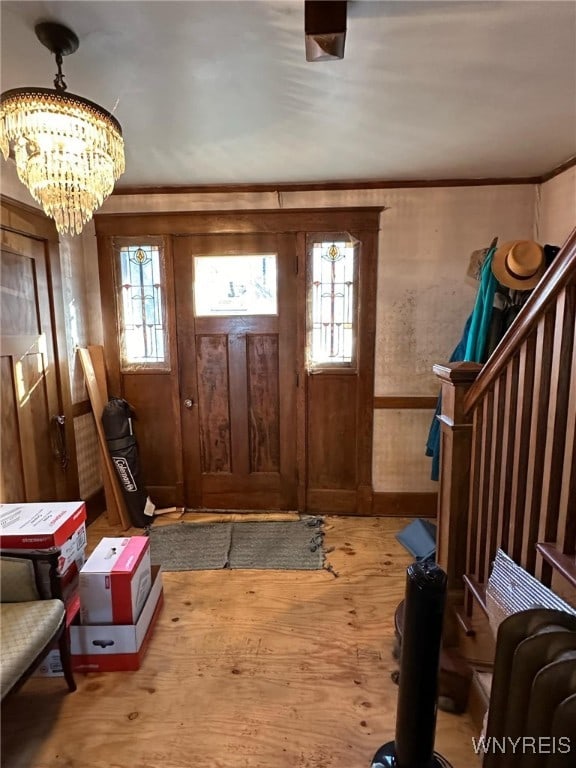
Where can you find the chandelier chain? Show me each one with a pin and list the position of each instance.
(59, 83)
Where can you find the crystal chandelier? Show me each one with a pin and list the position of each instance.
(68, 150)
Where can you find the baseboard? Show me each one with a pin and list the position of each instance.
(95, 506)
(405, 504)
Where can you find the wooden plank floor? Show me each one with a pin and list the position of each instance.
(251, 669)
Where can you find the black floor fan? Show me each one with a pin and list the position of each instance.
(424, 603)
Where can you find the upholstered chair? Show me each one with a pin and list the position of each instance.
(29, 623)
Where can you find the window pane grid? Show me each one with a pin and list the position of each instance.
(142, 326)
(332, 303)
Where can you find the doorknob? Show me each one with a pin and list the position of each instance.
(188, 403)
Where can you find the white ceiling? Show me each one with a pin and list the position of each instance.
(220, 92)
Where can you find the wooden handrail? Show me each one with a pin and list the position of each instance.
(557, 277)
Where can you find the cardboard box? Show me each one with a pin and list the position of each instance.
(44, 526)
(112, 647)
(50, 666)
(115, 581)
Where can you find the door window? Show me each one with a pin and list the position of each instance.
(235, 285)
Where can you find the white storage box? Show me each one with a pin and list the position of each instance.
(115, 581)
(46, 525)
(111, 647)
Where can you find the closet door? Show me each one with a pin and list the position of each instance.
(29, 396)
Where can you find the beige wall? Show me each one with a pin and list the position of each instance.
(556, 209)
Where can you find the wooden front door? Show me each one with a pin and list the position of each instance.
(29, 394)
(237, 348)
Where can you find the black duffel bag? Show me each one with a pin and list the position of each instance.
(117, 422)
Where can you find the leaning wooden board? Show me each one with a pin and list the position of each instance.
(92, 360)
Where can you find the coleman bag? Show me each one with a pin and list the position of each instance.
(123, 449)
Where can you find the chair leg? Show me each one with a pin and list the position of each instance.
(66, 659)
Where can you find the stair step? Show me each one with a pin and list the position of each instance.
(565, 565)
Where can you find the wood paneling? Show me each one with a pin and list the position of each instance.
(263, 402)
(239, 222)
(397, 402)
(81, 408)
(11, 471)
(213, 403)
(405, 504)
(332, 430)
(150, 397)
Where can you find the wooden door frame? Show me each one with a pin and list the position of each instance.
(29, 222)
(362, 223)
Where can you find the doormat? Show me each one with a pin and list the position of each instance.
(261, 545)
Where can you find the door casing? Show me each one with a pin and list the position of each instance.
(157, 396)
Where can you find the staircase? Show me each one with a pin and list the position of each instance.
(508, 463)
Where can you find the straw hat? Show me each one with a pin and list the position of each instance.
(519, 264)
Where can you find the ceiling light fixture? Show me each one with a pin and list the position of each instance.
(68, 150)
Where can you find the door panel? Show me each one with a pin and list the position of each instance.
(238, 384)
(29, 470)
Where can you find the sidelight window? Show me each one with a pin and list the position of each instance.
(332, 289)
(141, 312)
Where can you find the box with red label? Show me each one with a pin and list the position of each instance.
(115, 647)
(45, 525)
(115, 581)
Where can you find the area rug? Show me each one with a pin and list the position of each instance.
(261, 545)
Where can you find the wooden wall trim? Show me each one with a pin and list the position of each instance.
(558, 276)
(326, 186)
(405, 403)
(81, 408)
(404, 504)
(26, 220)
(239, 222)
(557, 171)
(350, 184)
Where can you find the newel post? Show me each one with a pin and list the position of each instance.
(455, 458)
